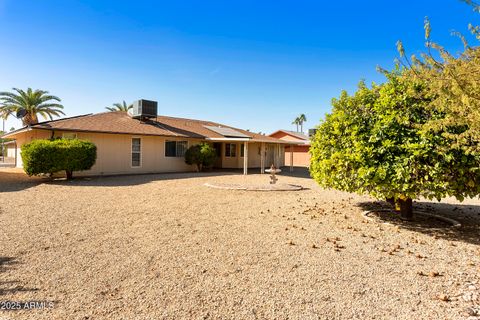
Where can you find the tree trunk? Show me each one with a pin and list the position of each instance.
(406, 208)
(69, 174)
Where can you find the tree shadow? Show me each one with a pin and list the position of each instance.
(15, 180)
(11, 286)
(298, 172)
(134, 179)
(12, 180)
(467, 215)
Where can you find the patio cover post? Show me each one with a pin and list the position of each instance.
(245, 158)
(262, 158)
(277, 156)
(291, 158)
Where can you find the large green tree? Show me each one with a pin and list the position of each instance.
(453, 82)
(375, 142)
(34, 102)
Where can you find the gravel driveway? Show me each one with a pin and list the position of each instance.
(167, 247)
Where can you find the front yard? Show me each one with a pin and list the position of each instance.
(165, 246)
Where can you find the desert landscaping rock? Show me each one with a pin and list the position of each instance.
(167, 247)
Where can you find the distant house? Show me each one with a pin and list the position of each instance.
(299, 151)
(128, 144)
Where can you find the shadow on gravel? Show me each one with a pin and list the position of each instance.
(467, 215)
(298, 172)
(11, 286)
(16, 181)
(134, 179)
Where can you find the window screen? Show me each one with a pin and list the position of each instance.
(136, 152)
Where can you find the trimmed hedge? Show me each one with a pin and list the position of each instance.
(202, 155)
(50, 156)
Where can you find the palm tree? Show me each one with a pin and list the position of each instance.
(119, 107)
(301, 119)
(35, 103)
(296, 122)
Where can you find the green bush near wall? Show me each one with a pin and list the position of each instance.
(50, 156)
(202, 155)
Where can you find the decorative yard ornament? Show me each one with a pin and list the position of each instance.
(273, 177)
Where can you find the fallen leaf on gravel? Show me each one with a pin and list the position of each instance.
(434, 274)
(443, 297)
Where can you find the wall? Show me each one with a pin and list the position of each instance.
(114, 153)
(10, 150)
(254, 156)
(284, 136)
(301, 157)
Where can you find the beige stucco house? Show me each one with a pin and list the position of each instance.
(127, 145)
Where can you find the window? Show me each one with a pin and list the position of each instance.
(230, 150)
(136, 151)
(242, 150)
(175, 148)
(69, 135)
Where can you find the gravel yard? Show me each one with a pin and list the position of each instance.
(167, 247)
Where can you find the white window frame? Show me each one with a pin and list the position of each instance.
(230, 149)
(73, 135)
(139, 152)
(176, 156)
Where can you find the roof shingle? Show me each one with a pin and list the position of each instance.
(121, 122)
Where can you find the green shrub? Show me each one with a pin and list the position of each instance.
(375, 142)
(50, 156)
(202, 155)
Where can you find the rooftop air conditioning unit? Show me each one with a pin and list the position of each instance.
(311, 132)
(144, 109)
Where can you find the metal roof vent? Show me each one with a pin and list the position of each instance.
(144, 109)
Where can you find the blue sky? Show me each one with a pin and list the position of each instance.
(250, 64)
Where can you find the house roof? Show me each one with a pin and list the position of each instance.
(298, 135)
(120, 122)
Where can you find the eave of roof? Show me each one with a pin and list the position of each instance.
(116, 122)
(298, 135)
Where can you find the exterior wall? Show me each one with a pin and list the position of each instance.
(284, 136)
(301, 157)
(114, 153)
(26, 137)
(10, 151)
(254, 156)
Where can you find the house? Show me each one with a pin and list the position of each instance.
(296, 153)
(129, 143)
(9, 148)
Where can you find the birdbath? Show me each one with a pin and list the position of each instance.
(273, 171)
